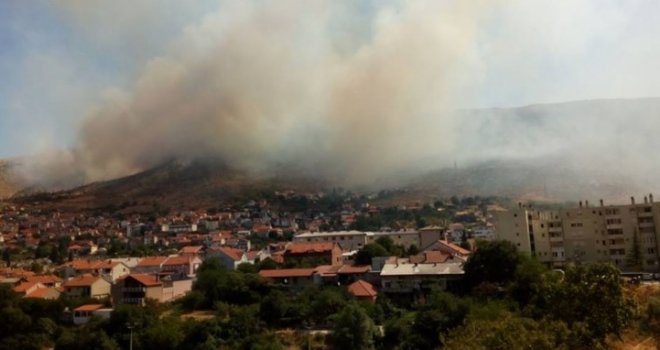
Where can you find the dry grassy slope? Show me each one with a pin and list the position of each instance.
(197, 184)
(9, 183)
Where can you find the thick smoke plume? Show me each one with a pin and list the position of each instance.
(360, 91)
(292, 82)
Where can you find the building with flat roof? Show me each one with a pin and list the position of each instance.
(610, 233)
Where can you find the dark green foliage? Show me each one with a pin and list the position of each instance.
(217, 284)
(368, 252)
(592, 297)
(435, 319)
(493, 262)
(353, 329)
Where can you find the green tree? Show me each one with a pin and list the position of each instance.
(510, 332)
(591, 298)
(353, 329)
(368, 252)
(493, 262)
(434, 320)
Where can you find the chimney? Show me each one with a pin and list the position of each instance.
(586, 204)
(632, 200)
(519, 205)
(646, 200)
(580, 204)
(650, 197)
(602, 204)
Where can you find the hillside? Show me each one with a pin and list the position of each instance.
(175, 184)
(548, 152)
(10, 182)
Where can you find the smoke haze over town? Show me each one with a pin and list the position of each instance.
(348, 91)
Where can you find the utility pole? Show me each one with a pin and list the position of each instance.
(130, 327)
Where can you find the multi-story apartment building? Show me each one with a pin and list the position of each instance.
(614, 233)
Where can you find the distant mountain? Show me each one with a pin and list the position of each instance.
(567, 151)
(175, 184)
(10, 181)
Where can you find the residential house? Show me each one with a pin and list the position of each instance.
(182, 265)
(229, 257)
(314, 254)
(403, 276)
(450, 248)
(150, 264)
(195, 251)
(137, 288)
(363, 290)
(87, 286)
(82, 314)
(37, 290)
(107, 268)
(297, 278)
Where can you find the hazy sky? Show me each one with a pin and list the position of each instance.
(61, 61)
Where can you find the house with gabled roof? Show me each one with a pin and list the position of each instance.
(363, 290)
(315, 252)
(229, 257)
(84, 313)
(87, 286)
(137, 288)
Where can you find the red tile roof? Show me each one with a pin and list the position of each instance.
(350, 269)
(45, 279)
(430, 257)
(283, 273)
(89, 307)
(305, 248)
(234, 253)
(460, 250)
(40, 293)
(82, 281)
(25, 286)
(362, 288)
(144, 279)
(194, 249)
(177, 260)
(151, 261)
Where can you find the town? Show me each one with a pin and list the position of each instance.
(96, 262)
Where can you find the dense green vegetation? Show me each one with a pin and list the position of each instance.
(509, 301)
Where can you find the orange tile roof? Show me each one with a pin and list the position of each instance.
(304, 248)
(460, 250)
(177, 260)
(152, 261)
(89, 307)
(23, 287)
(362, 288)
(45, 279)
(233, 253)
(349, 269)
(40, 293)
(194, 249)
(144, 279)
(283, 273)
(430, 257)
(81, 281)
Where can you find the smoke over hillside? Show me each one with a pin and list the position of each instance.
(293, 82)
(355, 91)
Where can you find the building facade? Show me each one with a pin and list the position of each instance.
(625, 235)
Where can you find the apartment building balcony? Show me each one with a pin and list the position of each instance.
(645, 214)
(646, 224)
(556, 239)
(133, 290)
(614, 226)
(552, 230)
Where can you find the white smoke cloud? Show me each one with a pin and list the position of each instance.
(356, 90)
